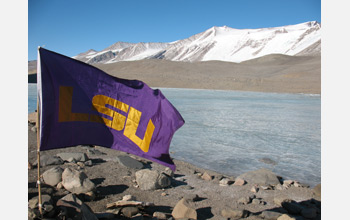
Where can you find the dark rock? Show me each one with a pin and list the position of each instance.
(46, 201)
(292, 207)
(309, 212)
(72, 207)
(129, 162)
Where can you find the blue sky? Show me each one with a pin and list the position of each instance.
(71, 27)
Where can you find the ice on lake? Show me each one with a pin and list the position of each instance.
(233, 132)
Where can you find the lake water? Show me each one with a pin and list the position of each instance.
(234, 132)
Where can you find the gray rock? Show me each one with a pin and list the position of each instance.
(82, 157)
(53, 176)
(261, 176)
(270, 215)
(76, 181)
(77, 209)
(46, 160)
(129, 162)
(234, 214)
(151, 180)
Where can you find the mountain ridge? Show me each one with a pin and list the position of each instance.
(218, 43)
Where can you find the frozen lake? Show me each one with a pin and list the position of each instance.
(233, 132)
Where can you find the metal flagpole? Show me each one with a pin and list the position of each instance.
(38, 149)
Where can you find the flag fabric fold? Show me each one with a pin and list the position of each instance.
(80, 104)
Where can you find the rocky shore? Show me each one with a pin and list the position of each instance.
(93, 182)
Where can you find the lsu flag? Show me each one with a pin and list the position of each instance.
(80, 104)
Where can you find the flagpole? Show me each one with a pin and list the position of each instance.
(38, 149)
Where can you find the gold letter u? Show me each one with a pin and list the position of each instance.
(131, 126)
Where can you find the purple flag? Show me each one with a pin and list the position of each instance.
(80, 104)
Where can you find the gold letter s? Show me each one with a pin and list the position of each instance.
(99, 102)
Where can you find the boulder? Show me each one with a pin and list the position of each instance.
(129, 162)
(53, 176)
(151, 179)
(76, 181)
(82, 157)
(184, 210)
(261, 176)
(234, 214)
(46, 160)
(74, 208)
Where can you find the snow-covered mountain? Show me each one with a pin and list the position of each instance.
(219, 43)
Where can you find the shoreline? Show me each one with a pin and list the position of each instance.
(210, 198)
